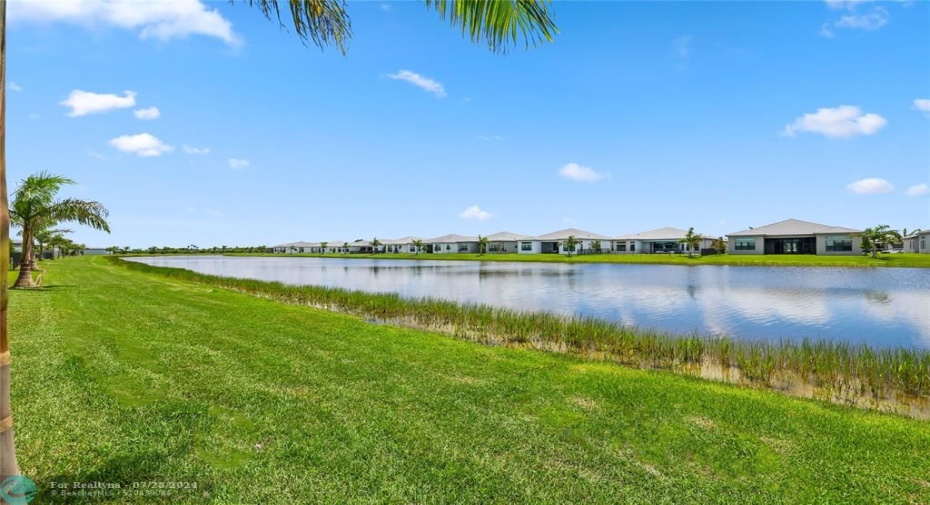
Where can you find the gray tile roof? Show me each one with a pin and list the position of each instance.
(451, 239)
(400, 241)
(564, 234)
(666, 233)
(792, 227)
(506, 236)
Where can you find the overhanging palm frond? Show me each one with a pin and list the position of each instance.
(499, 23)
(92, 214)
(323, 22)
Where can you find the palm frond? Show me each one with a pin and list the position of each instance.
(92, 214)
(499, 23)
(322, 22)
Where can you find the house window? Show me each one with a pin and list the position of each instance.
(463, 247)
(621, 246)
(633, 247)
(745, 244)
(526, 246)
(839, 244)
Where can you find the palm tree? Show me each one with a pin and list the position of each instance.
(35, 209)
(905, 233)
(375, 244)
(692, 240)
(879, 235)
(323, 22)
(596, 246)
(417, 245)
(483, 244)
(323, 247)
(570, 244)
(51, 238)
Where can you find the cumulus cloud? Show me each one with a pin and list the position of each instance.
(853, 18)
(577, 172)
(420, 81)
(870, 186)
(15, 87)
(143, 144)
(149, 113)
(83, 103)
(922, 104)
(844, 121)
(475, 212)
(162, 19)
(238, 164)
(195, 150)
(918, 190)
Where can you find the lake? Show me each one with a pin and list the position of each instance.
(885, 307)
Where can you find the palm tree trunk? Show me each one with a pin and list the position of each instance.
(8, 466)
(27, 263)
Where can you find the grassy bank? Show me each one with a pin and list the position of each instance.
(828, 370)
(885, 260)
(122, 375)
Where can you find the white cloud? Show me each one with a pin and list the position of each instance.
(195, 150)
(83, 103)
(918, 190)
(160, 20)
(238, 164)
(143, 144)
(870, 22)
(150, 113)
(681, 47)
(577, 172)
(420, 81)
(475, 212)
(922, 104)
(839, 122)
(15, 87)
(845, 4)
(870, 186)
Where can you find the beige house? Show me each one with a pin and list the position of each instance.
(505, 242)
(793, 236)
(451, 244)
(555, 242)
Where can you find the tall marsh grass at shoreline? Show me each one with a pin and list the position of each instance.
(886, 379)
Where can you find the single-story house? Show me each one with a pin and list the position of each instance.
(362, 247)
(793, 236)
(662, 240)
(95, 251)
(918, 242)
(453, 243)
(505, 242)
(401, 245)
(555, 242)
(910, 243)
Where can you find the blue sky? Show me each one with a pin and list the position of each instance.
(717, 115)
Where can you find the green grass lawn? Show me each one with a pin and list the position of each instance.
(800, 260)
(122, 376)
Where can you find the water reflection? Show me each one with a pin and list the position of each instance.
(884, 307)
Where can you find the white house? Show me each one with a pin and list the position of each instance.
(793, 236)
(662, 240)
(401, 245)
(555, 242)
(505, 242)
(451, 244)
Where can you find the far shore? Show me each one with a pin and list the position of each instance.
(901, 260)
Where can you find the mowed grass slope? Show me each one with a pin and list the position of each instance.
(121, 376)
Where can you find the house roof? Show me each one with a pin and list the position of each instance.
(400, 241)
(564, 234)
(304, 244)
(506, 236)
(792, 227)
(666, 233)
(451, 239)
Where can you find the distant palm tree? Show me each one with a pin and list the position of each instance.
(36, 208)
(375, 244)
(905, 233)
(483, 244)
(692, 240)
(417, 245)
(596, 246)
(877, 236)
(570, 244)
(323, 247)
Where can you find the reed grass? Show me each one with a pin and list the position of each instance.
(840, 371)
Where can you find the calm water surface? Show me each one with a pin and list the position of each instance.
(885, 307)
